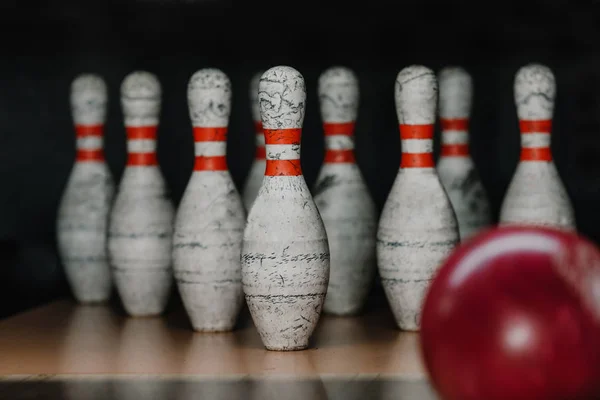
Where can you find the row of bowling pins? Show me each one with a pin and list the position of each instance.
(278, 254)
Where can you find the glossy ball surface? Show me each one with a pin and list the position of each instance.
(514, 314)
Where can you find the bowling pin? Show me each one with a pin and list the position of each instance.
(257, 169)
(83, 211)
(455, 166)
(536, 195)
(418, 227)
(141, 222)
(343, 198)
(285, 254)
(210, 220)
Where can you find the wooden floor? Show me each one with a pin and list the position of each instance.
(67, 342)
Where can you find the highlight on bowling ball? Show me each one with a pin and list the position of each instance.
(514, 314)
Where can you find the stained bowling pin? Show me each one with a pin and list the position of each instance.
(536, 195)
(257, 169)
(210, 219)
(141, 222)
(85, 205)
(455, 166)
(285, 254)
(418, 227)
(343, 198)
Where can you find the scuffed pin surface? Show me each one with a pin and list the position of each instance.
(141, 222)
(281, 97)
(285, 254)
(210, 220)
(418, 227)
(536, 194)
(257, 169)
(344, 202)
(209, 98)
(89, 98)
(85, 205)
(458, 174)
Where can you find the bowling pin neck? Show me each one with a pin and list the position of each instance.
(535, 140)
(89, 143)
(339, 142)
(417, 146)
(283, 152)
(454, 137)
(260, 154)
(141, 146)
(210, 146)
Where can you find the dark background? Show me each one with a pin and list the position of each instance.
(46, 44)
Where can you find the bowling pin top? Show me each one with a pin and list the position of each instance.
(282, 96)
(254, 96)
(535, 89)
(338, 95)
(88, 100)
(141, 98)
(209, 98)
(416, 96)
(456, 93)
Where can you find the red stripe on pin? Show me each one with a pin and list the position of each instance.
(141, 132)
(283, 168)
(89, 155)
(454, 150)
(343, 128)
(283, 136)
(212, 134)
(536, 154)
(454, 124)
(417, 160)
(339, 156)
(89, 130)
(542, 126)
(214, 163)
(416, 131)
(141, 159)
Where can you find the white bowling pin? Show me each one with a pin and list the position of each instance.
(455, 166)
(343, 198)
(285, 254)
(210, 219)
(85, 205)
(536, 195)
(141, 222)
(418, 227)
(257, 169)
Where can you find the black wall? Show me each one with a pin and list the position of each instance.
(45, 45)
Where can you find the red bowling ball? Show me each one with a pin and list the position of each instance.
(514, 314)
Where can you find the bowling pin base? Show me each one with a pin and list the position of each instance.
(212, 307)
(346, 304)
(405, 299)
(343, 313)
(215, 329)
(348, 288)
(287, 348)
(285, 323)
(92, 302)
(90, 283)
(213, 325)
(144, 293)
(143, 312)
